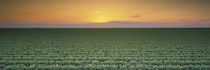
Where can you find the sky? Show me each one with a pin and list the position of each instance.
(104, 13)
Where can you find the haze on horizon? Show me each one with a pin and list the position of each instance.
(104, 13)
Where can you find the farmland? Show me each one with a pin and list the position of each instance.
(105, 49)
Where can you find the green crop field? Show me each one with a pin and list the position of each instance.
(105, 49)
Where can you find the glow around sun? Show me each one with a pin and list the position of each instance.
(100, 17)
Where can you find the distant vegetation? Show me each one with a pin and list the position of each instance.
(105, 49)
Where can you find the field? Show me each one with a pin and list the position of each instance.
(105, 49)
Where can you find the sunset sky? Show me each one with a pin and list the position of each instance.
(104, 13)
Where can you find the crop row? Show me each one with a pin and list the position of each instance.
(106, 67)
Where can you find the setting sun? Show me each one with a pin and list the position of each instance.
(100, 17)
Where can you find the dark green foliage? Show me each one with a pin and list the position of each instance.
(105, 49)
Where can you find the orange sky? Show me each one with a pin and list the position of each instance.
(102, 11)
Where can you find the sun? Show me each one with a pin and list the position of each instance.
(100, 17)
(97, 12)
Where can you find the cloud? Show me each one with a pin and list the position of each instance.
(191, 4)
(199, 25)
(205, 20)
(135, 16)
(112, 24)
